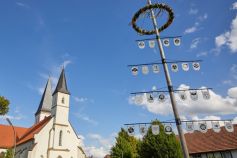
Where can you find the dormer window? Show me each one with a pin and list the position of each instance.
(63, 100)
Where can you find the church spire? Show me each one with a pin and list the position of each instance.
(62, 84)
(45, 103)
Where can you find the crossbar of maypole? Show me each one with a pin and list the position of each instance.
(170, 87)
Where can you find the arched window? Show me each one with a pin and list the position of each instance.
(60, 156)
(60, 138)
(41, 156)
(63, 100)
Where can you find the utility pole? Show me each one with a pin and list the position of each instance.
(14, 148)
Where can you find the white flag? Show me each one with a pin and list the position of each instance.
(185, 66)
(143, 130)
(134, 70)
(155, 129)
(196, 66)
(177, 41)
(193, 95)
(182, 95)
(216, 127)
(141, 44)
(131, 131)
(145, 69)
(155, 68)
(166, 42)
(229, 126)
(161, 97)
(150, 97)
(206, 94)
(189, 127)
(174, 67)
(138, 99)
(152, 44)
(202, 127)
(168, 128)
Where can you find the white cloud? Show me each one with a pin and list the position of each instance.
(66, 63)
(233, 71)
(193, 11)
(80, 99)
(203, 17)
(228, 38)
(190, 30)
(86, 118)
(234, 6)
(215, 105)
(195, 43)
(204, 53)
(22, 5)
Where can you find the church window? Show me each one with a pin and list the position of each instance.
(60, 138)
(41, 156)
(59, 156)
(63, 100)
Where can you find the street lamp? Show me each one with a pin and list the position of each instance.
(10, 123)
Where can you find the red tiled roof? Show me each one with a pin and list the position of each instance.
(198, 142)
(7, 135)
(29, 134)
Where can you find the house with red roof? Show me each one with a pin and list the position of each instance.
(52, 135)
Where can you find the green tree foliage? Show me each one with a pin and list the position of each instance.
(2, 154)
(159, 146)
(9, 153)
(4, 105)
(126, 146)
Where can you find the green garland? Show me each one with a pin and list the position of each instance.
(144, 9)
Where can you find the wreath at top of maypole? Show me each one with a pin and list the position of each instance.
(160, 6)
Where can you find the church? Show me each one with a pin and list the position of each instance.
(52, 135)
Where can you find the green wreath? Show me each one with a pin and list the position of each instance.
(153, 6)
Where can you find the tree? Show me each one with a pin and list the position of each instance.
(4, 105)
(9, 153)
(159, 146)
(125, 147)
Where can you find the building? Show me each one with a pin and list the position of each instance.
(52, 135)
(212, 144)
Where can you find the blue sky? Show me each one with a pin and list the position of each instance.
(95, 42)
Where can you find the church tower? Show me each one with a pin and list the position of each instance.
(61, 96)
(45, 105)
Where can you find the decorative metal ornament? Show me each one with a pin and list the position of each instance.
(196, 66)
(229, 126)
(150, 98)
(166, 42)
(216, 127)
(143, 130)
(145, 69)
(155, 68)
(134, 70)
(174, 67)
(155, 129)
(185, 66)
(206, 94)
(131, 131)
(194, 95)
(151, 44)
(177, 41)
(189, 127)
(202, 127)
(138, 99)
(141, 44)
(161, 97)
(182, 95)
(168, 128)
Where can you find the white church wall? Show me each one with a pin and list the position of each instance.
(3, 150)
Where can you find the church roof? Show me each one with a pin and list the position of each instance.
(211, 141)
(62, 84)
(46, 100)
(7, 135)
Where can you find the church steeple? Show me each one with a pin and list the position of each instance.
(45, 105)
(62, 84)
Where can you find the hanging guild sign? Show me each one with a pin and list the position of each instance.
(141, 44)
(150, 97)
(182, 95)
(155, 68)
(143, 130)
(185, 66)
(194, 95)
(202, 127)
(138, 99)
(229, 126)
(196, 66)
(166, 42)
(134, 70)
(168, 129)
(177, 41)
(216, 127)
(151, 44)
(155, 129)
(161, 97)
(131, 131)
(145, 69)
(189, 127)
(174, 67)
(206, 94)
